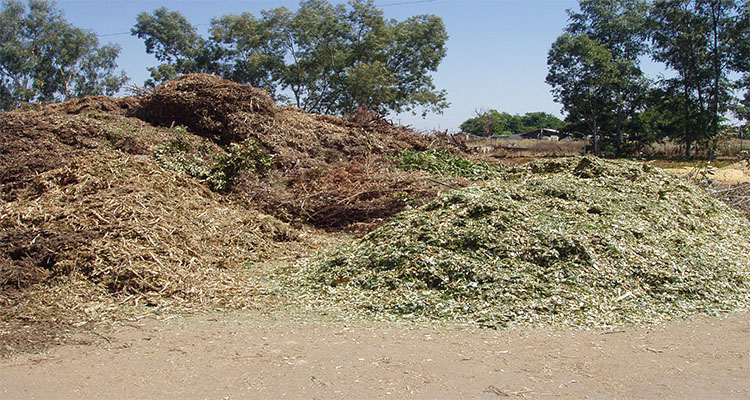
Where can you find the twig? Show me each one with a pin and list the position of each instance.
(102, 336)
(441, 183)
(731, 189)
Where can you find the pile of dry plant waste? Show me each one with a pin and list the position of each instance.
(167, 201)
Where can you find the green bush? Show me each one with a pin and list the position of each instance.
(248, 155)
(198, 159)
(442, 162)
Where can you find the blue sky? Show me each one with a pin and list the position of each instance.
(497, 51)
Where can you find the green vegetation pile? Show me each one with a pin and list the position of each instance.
(442, 163)
(568, 242)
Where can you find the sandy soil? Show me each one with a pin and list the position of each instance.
(275, 355)
(735, 174)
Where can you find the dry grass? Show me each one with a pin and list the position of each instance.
(727, 148)
(528, 148)
(126, 232)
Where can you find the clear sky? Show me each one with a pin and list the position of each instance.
(497, 50)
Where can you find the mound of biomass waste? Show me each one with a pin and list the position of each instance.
(89, 220)
(574, 242)
(164, 200)
(322, 170)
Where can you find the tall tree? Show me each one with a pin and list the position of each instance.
(175, 42)
(583, 77)
(323, 58)
(620, 27)
(742, 112)
(742, 63)
(703, 41)
(43, 58)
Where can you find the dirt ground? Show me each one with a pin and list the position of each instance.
(256, 354)
(734, 174)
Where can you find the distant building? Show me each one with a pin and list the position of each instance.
(537, 134)
(545, 134)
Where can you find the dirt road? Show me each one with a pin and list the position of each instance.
(255, 355)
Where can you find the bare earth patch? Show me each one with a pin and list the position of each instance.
(275, 355)
(734, 174)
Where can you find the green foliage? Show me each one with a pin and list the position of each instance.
(493, 122)
(196, 157)
(172, 40)
(43, 58)
(186, 156)
(248, 155)
(742, 109)
(703, 42)
(442, 162)
(323, 58)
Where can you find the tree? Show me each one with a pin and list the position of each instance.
(703, 41)
(742, 63)
(323, 58)
(619, 27)
(487, 123)
(583, 76)
(174, 41)
(539, 120)
(742, 112)
(661, 118)
(43, 58)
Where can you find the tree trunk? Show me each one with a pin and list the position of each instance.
(620, 117)
(596, 141)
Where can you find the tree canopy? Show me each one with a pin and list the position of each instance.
(43, 58)
(703, 42)
(493, 122)
(323, 58)
(594, 68)
(594, 65)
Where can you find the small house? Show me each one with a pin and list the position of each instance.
(545, 134)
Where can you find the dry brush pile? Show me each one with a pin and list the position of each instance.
(321, 170)
(89, 219)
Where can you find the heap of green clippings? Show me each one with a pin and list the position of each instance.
(576, 242)
(442, 162)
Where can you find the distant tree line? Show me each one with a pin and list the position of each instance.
(493, 122)
(595, 71)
